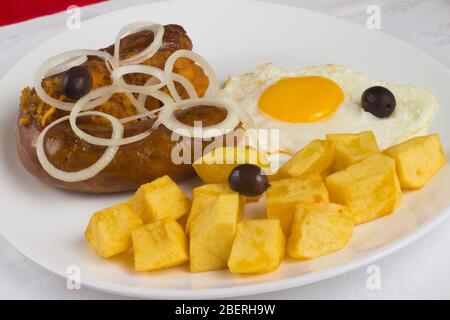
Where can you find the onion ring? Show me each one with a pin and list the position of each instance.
(213, 87)
(65, 65)
(92, 170)
(152, 48)
(92, 99)
(158, 80)
(187, 85)
(230, 122)
(148, 114)
(56, 60)
(156, 73)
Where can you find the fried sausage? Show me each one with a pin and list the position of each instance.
(134, 164)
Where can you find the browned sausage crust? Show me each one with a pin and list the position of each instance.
(134, 164)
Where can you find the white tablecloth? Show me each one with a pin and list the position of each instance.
(420, 271)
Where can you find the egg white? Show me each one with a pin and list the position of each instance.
(415, 108)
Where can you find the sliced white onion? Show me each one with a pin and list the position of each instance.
(243, 115)
(213, 87)
(140, 136)
(140, 107)
(65, 65)
(152, 48)
(92, 170)
(93, 99)
(187, 85)
(96, 97)
(156, 73)
(245, 118)
(56, 60)
(98, 101)
(156, 83)
(148, 114)
(169, 120)
(158, 79)
(142, 97)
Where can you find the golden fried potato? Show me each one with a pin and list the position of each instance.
(370, 188)
(259, 247)
(316, 157)
(215, 166)
(352, 148)
(212, 234)
(109, 230)
(417, 160)
(159, 199)
(319, 229)
(284, 195)
(204, 195)
(211, 189)
(159, 245)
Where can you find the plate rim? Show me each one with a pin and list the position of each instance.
(248, 289)
(245, 289)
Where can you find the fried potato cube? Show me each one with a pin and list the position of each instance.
(212, 234)
(319, 229)
(159, 199)
(316, 157)
(109, 230)
(417, 160)
(204, 195)
(352, 148)
(284, 195)
(211, 189)
(370, 188)
(215, 166)
(259, 247)
(159, 245)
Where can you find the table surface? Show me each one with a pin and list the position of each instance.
(420, 271)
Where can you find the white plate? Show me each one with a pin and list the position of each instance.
(47, 224)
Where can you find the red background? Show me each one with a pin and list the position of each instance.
(12, 11)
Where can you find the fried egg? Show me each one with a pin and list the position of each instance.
(310, 103)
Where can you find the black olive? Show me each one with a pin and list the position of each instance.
(379, 101)
(249, 180)
(76, 82)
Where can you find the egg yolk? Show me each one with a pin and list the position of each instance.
(301, 99)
